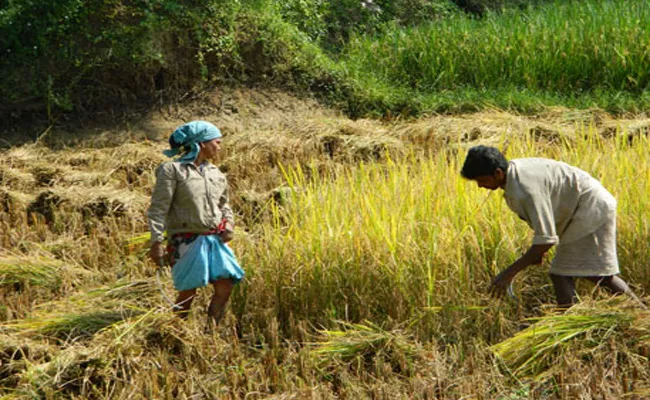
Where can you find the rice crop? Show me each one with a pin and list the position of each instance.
(84, 314)
(365, 345)
(366, 277)
(388, 239)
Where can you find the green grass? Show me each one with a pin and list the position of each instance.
(580, 54)
(586, 54)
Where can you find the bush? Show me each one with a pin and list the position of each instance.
(106, 56)
(89, 54)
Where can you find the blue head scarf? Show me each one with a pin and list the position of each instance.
(186, 138)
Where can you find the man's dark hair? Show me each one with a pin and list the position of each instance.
(483, 160)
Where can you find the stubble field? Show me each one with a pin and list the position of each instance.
(367, 259)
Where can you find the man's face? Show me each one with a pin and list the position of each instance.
(492, 182)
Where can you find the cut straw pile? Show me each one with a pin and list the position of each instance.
(85, 314)
(581, 330)
(365, 342)
(37, 271)
(124, 349)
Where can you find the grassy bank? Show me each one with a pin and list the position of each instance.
(585, 54)
(580, 54)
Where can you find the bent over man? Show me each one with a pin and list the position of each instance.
(566, 207)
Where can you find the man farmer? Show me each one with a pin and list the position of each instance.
(565, 206)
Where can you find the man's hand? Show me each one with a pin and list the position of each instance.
(228, 233)
(157, 254)
(501, 282)
(534, 255)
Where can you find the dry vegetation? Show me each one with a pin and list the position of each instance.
(367, 259)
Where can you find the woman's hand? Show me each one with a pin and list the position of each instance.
(228, 233)
(157, 254)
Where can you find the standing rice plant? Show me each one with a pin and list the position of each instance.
(385, 240)
(384, 252)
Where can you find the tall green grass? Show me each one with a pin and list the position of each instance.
(591, 53)
(587, 53)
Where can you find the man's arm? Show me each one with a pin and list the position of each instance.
(534, 255)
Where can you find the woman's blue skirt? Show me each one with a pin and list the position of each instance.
(200, 259)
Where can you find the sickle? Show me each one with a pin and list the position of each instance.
(511, 293)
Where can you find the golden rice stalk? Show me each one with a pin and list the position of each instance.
(531, 353)
(16, 356)
(136, 327)
(150, 331)
(73, 370)
(135, 243)
(16, 179)
(71, 325)
(83, 196)
(453, 307)
(79, 368)
(87, 313)
(11, 396)
(14, 202)
(37, 271)
(362, 340)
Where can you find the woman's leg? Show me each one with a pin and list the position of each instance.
(222, 290)
(184, 302)
(565, 290)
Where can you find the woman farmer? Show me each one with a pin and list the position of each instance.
(190, 201)
(566, 207)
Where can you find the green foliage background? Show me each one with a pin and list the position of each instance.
(366, 57)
